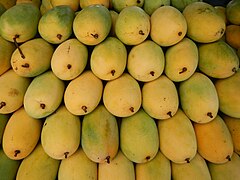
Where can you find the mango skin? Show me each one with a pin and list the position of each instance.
(3, 119)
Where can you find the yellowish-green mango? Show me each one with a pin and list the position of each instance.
(232, 12)
(114, 16)
(8, 3)
(69, 59)
(44, 95)
(139, 140)
(59, 19)
(78, 166)
(35, 2)
(132, 25)
(214, 141)
(146, 61)
(228, 93)
(150, 6)
(119, 5)
(217, 59)
(228, 170)
(233, 125)
(160, 98)
(19, 23)
(21, 135)
(8, 167)
(3, 119)
(204, 25)
(181, 60)
(38, 166)
(99, 139)
(85, 3)
(74, 4)
(108, 59)
(180, 5)
(92, 24)
(45, 6)
(199, 98)
(60, 135)
(13, 88)
(83, 94)
(196, 169)
(119, 168)
(159, 168)
(122, 96)
(6, 50)
(33, 59)
(2, 9)
(176, 132)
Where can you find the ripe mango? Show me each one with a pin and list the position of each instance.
(13, 88)
(99, 139)
(119, 168)
(146, 61)
(232, 12)
(69, 59)
(74, 4)
(44, 95)
(176, 132)
(214, 141)
(160, 98)
(33, 59)
(139, 139)
(228, 93)
(21, 135)
(196, 169)
(60, 135)
(158, 168)
(85, 3)
(150, 6)
(83, 94)
(199, 98)
(122, 96)
(38, 166)
(108, 59)
(77, 166)
(119, 5)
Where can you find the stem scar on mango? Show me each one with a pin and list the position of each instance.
(152, 73)
(95, 35)
(59, 36)
(170, 114)
(2, 104)
(108, 159)
(17, 46)
(26, 65)
(184, 69)
(209, 114)
(113, 72)
(16, 152)
(131, 109)
(42, 105)
(66, 155)
(84, 108)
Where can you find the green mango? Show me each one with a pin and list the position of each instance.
(74, 4)
(3, 122)
(55, 26)
(38, 166)
(2, 9)
(99, 138)
(180, 5)
(60, 136)
(36, 58)
(19, 23)
(150, 6)
(44, 95)
(8, 167)
(119, 5)
(139, 139)
(13, 88)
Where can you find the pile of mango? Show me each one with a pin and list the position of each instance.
(119, 89)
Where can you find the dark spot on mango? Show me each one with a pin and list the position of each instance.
(69, 66)
(17, 46)
(234, 69)
(148, 158)
(42, 105)
(187, 160)
(152, 73)
(184, 69)
(131, 109)
(26, 65)
(59, 36)
(228, 158)
(170, 114)
(138, 1)
(16, 152)
(179, 33)
(2, 104)
(84, 108)
(113, 72)
(141, 32)
(209, 114)
(66, 155)
(95, 36)
(108, 159)
(13, 92)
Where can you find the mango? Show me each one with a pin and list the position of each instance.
(83, 94)
(181, 60)
(132, 25)
(8, 167)
(232, 35)
(228, 94)
(99, 139)
(108, 59)
(60, 135)
(204, 25)
(114, 16)
(69, 59)
(119, 168)
(139, 139)
(232, 12)
(74, 4)
(228, 170)
(38, 165)
(8, 3)
(160, 98)
(173, 26)
(45, 6)
(3, 119)
(85, 3)
(214, 141)
(180, 5)
(13, 88)
(19, 23)
(146, 61)
(44, 95)
(150, 6)
(119, 5)
(37, 3)
(197, 169)
(217, 59)
(6, 50)
(122, 96)
(78, 165)
(33, 59)
(176, 132)
(92, 24)
(158, 168)
(199, 98)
